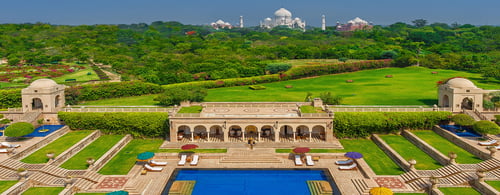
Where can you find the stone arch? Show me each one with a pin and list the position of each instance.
(235, 131)
(251, 131)
(183, 132)
(319, 132)
(57, 101)
(446, 101)
(302, 130)
(467, 103)
(267, 131)
(286, 130)
(37, 104)
(200, 131)
(217, 132)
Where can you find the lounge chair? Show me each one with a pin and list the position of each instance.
(344, 162)
(156, 163)
(298, 161)
(5, 151)
(309, 160)
(348, 167)
(194, 162)
(182, 162)
(8, 145)
(150, 168)
(493, 142)
(497, 147)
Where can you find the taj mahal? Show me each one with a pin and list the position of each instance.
(283, 17)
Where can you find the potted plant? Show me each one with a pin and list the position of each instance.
(90, 161)
(50, 155)
(22, 172)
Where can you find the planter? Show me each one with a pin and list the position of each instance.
(90, 161)
(50, 155)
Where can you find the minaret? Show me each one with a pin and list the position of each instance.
(241, 21)
(323, 23)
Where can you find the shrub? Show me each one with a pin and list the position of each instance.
(19, 129)
(177, 95)
(1, 115)
(274, 68)
(4, 121)
(486, 127)
(256, 87)
(76, 94)
(363, 124)
(149, 124)
(463, 120)
(10, 98)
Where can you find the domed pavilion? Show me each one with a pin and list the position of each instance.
(461, 94)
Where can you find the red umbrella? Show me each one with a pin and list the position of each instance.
(189, 147)
(301, 150)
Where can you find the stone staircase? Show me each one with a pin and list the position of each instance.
(137, 186)
(92, 176)
(55, 170)
(410, 176)
(8, 174)
(319, 187)
(46, 179)
(441, 172)
(490, 164)
(182, 188)
(82, 184)
(250, 156)
(461, 178)
(418, 184)
(361, 186)
(472, 114)
(30, 116)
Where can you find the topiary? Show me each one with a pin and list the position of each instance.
(19, 129)
(486, 127)
(4, 121)
(463, 120)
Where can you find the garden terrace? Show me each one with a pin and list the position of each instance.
(409, 151)
(94, 150)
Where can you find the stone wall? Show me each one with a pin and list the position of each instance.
(461, 143)
(431, 151)
(484, 188)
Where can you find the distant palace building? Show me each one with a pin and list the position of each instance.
(355, 24)
(221, 24)
(283, 17)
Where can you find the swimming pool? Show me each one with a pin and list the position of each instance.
(467, 133)
(50, 128)
(250, 181)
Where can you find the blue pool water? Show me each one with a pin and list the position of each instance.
(255, 182)
(1, 130)
(51, 129)
(467, 133)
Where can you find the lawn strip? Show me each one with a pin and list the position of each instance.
(459, 191)
(58, 146)
(190, 109)
(409, 151)
(494, 184)
(94, 150)
(43, 190)
(6, 184)
(282, 150)
(195, 150)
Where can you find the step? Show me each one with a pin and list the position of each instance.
(460, 178)
(83, 184)
(409, 176)
(418, 184)
(361, 186)
(7, 174)
(92, 176)
(490, 164)
(55, 170)
(182, 188)
(47, 179)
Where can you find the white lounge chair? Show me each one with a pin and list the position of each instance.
(156, 163)
(309, 160)
(150, 168)
(298, 161)
(348, 167)
(489, 143)
(182, 162)
(8, 145)
(5, 151)
(344, 162)
(497, 147)
(194, 162)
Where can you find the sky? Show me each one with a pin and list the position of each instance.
(201, 12)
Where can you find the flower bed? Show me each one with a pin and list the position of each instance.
(24, 73)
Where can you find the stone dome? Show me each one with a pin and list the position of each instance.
(43, 83)
(461, 83)
(282, 12)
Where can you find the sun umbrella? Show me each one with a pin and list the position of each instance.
(353, 155)
(189, 146)
(381, 191)
(121, 192)
(145, 156)
(301, 150)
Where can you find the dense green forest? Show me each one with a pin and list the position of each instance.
(170, 52)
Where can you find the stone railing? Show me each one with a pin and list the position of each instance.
(60, 159)
(188, 115)
(431, 151)
(339, 108)
(314, 115)
(391, 152)
(19, 188)
(41, 143)
(111, 153)
(461, 143)
(480, 115)
(254, 104)
(484, 188)
(117, 109)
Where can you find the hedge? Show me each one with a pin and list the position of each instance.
(79, 93)
(257, 87)
(486, 127)
(19, 129)
(10, 98)
(463, 120)
(138, 124)
(363, 124)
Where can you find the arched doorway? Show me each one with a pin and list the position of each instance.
(251, 132)
(235, 133)
(302, 132)
(319, 133)
(57, 100)
(286, 133)
(37, 104)
(200, 133)
(216, 133)
(467, 103)
(446, 101)
(183, 133)
(267, 133)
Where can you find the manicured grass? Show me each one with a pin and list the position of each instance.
(58, 146)
(310, 109)
(43, 190)
(494, 184)
(195, 150)
(90, 193)
(409, 193)
(94, 150)
(409, 151)
(6, 184)
(459, 190)
(444, 146)
(126, 158)
(408, 86)
(80, 76)
(190, 109)
(4, 84)
(282, 150)
(373, 155)
(143, 100)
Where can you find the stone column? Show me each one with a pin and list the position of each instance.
(208, 135)
(492, 150)
(480, 175)
(192, 135)
(412, 163)
(258, 135)
(276, 136)
(434, 181)
(243, 135)
(294, 135)
(310, 135)
(173, 133)
(225, 132)
(452, 156)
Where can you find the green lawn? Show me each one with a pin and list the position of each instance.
(6, 184)
(373, 155)
(94, 150)
(444, 146)
(408, 151)
(190, 109)
(282, 150)
(80, 76)
(310, 109)
(43, 190)
(4, 84)
(195, 150)
(459, 190)
(143, 100)
(494, 184)
(409, 193)
(90, 193)
(58, 146)
(126, 158)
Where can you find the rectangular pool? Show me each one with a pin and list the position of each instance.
(250, 181)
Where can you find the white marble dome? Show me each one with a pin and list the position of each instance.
(461, 83)
(43, 83)
(282, 12)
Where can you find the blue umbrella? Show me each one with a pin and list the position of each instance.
(145, 156)
(353, 155)
(121, 192)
